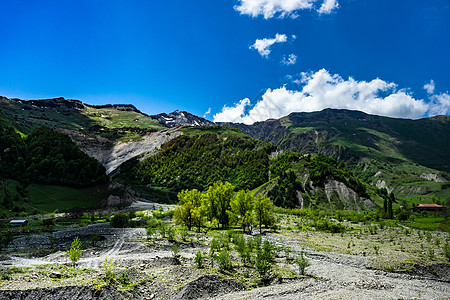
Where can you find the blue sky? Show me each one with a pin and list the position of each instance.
(162, 55)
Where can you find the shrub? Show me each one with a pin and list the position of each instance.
(224, 260)
(162, 229)
(119, 220)
(171, 234)
(263, 265)
(269, 249)
(75, 250)
(327, 226)
(153, 222)
(199, 257)
(175, 252)
(302, 262)
(108, 266)
(446, 251)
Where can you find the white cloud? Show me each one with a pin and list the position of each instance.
(283, 8)
(263, 45)
(290, 60)
(328, 6)
(234, 113)
(440, 104)
(429, 87)
(207, 112)
(321, 90)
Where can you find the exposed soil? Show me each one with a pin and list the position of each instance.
(157, 274)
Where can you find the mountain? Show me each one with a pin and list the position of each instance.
(181, 118)
(204, 155)
(164, 153)
(409, 157)
(112, 121)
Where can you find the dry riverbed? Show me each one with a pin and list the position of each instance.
(147, 268)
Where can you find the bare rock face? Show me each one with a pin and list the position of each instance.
(347, 194)
(382, 184)
(433, 177)
(112, 155)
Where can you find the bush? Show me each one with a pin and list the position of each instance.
(108, 266)
(171, 234)
(446, 251)
(175, 252)
(263, 265)
(214, 246)
(119, 220)
(199, 257)
(327, 226)
(153, 222)
(75, 250)
(302, 262)
(224, 260)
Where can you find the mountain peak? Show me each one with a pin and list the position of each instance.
(181, 118)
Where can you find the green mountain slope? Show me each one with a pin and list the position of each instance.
(113, 121)
(43, 157)
(395, 153)
(205, 155)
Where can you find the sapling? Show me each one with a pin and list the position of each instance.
(302, 262)
(75, 250)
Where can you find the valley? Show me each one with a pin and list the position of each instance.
(174, 206)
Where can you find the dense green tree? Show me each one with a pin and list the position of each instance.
(218, 198)
(262, 211)
(241, 208)
(190, 210)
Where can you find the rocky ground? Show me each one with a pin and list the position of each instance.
(154, 272)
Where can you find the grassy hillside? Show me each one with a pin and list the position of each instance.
(114, 121)
(388, 152)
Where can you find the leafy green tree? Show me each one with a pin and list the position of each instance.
(241, 208)
(262, 211)
(218, 198)
(190, 210)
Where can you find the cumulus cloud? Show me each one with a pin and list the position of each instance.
(328, 6)
(233, 113)
(321, 90)
(263, 45)
(283, 8)
(290, 60)
(429, 87)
